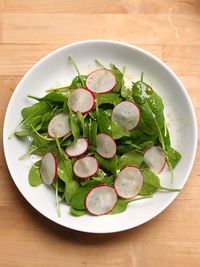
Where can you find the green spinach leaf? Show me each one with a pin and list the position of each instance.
(109, 98)
(109, 165)
(53, 98)
(77, 213)
(173, 156)
(34, 177)
(133, 157)
(119, 78)
(36, 109)
(66, 175)
(117, 131)
(122, 204)
(152, 184)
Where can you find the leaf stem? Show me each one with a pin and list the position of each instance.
(139, 198)
(75, 66)
(160, 134)
(28, 153)
(100, 64)
(170, 189)
(142, 77)
(34, 97)
(57, 201)
(62, 89)
(58, 145)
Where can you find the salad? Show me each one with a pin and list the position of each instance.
(102, 144)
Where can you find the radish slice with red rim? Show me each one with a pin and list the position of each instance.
(126, 114)
(106, 146)
(129, 182)
(101, 81)
(100, 199)
(48, 168)
(154, 157)
(85, 167)
(81, 100)
(59, 125)
(78, 148)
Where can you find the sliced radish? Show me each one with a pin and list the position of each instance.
(59, 125)
(126, 114)
(101, 81)
(106, 146)
(154, 157)
(48, 168)
(100, 199)
(85, 167)
(129, 182)
(78, 148)
(81, 100)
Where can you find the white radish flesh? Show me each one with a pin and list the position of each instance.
(59, 125)
(105, 146)
(101, 81)
(48, 168)
(101, 199)
(78, 148)
(81, 100)
(154, 157)
(128, 182)
(126, 114)
(85, 167)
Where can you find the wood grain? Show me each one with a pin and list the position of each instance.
(137, 29)
(105, 6)
(29, 30)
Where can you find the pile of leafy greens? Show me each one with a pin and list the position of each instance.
(151, 130)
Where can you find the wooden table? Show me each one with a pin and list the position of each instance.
(169, 29)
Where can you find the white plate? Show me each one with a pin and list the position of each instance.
(54, 70)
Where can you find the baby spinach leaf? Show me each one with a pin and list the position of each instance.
(36, 109)
(133, 157)
(121, 204)
(151, 106)
(117, 131)
(109, 180)
(126, 93)
(77, 213)
(22, 133)
(60, 185)
(119, 78)
(70, 189)
(78, 81)
(166, 136)
(152, 183)
(173, 156)
(78, 199)
(147, 190)
(81, 119)
(54, 97)
(32, 121)
(92, 131)
(109, 165)
(104, 121)
(41, 139)
(109, 98)
(66, 175)
(34, 177)
(46, 119)
(74, 126)
(83, 182)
